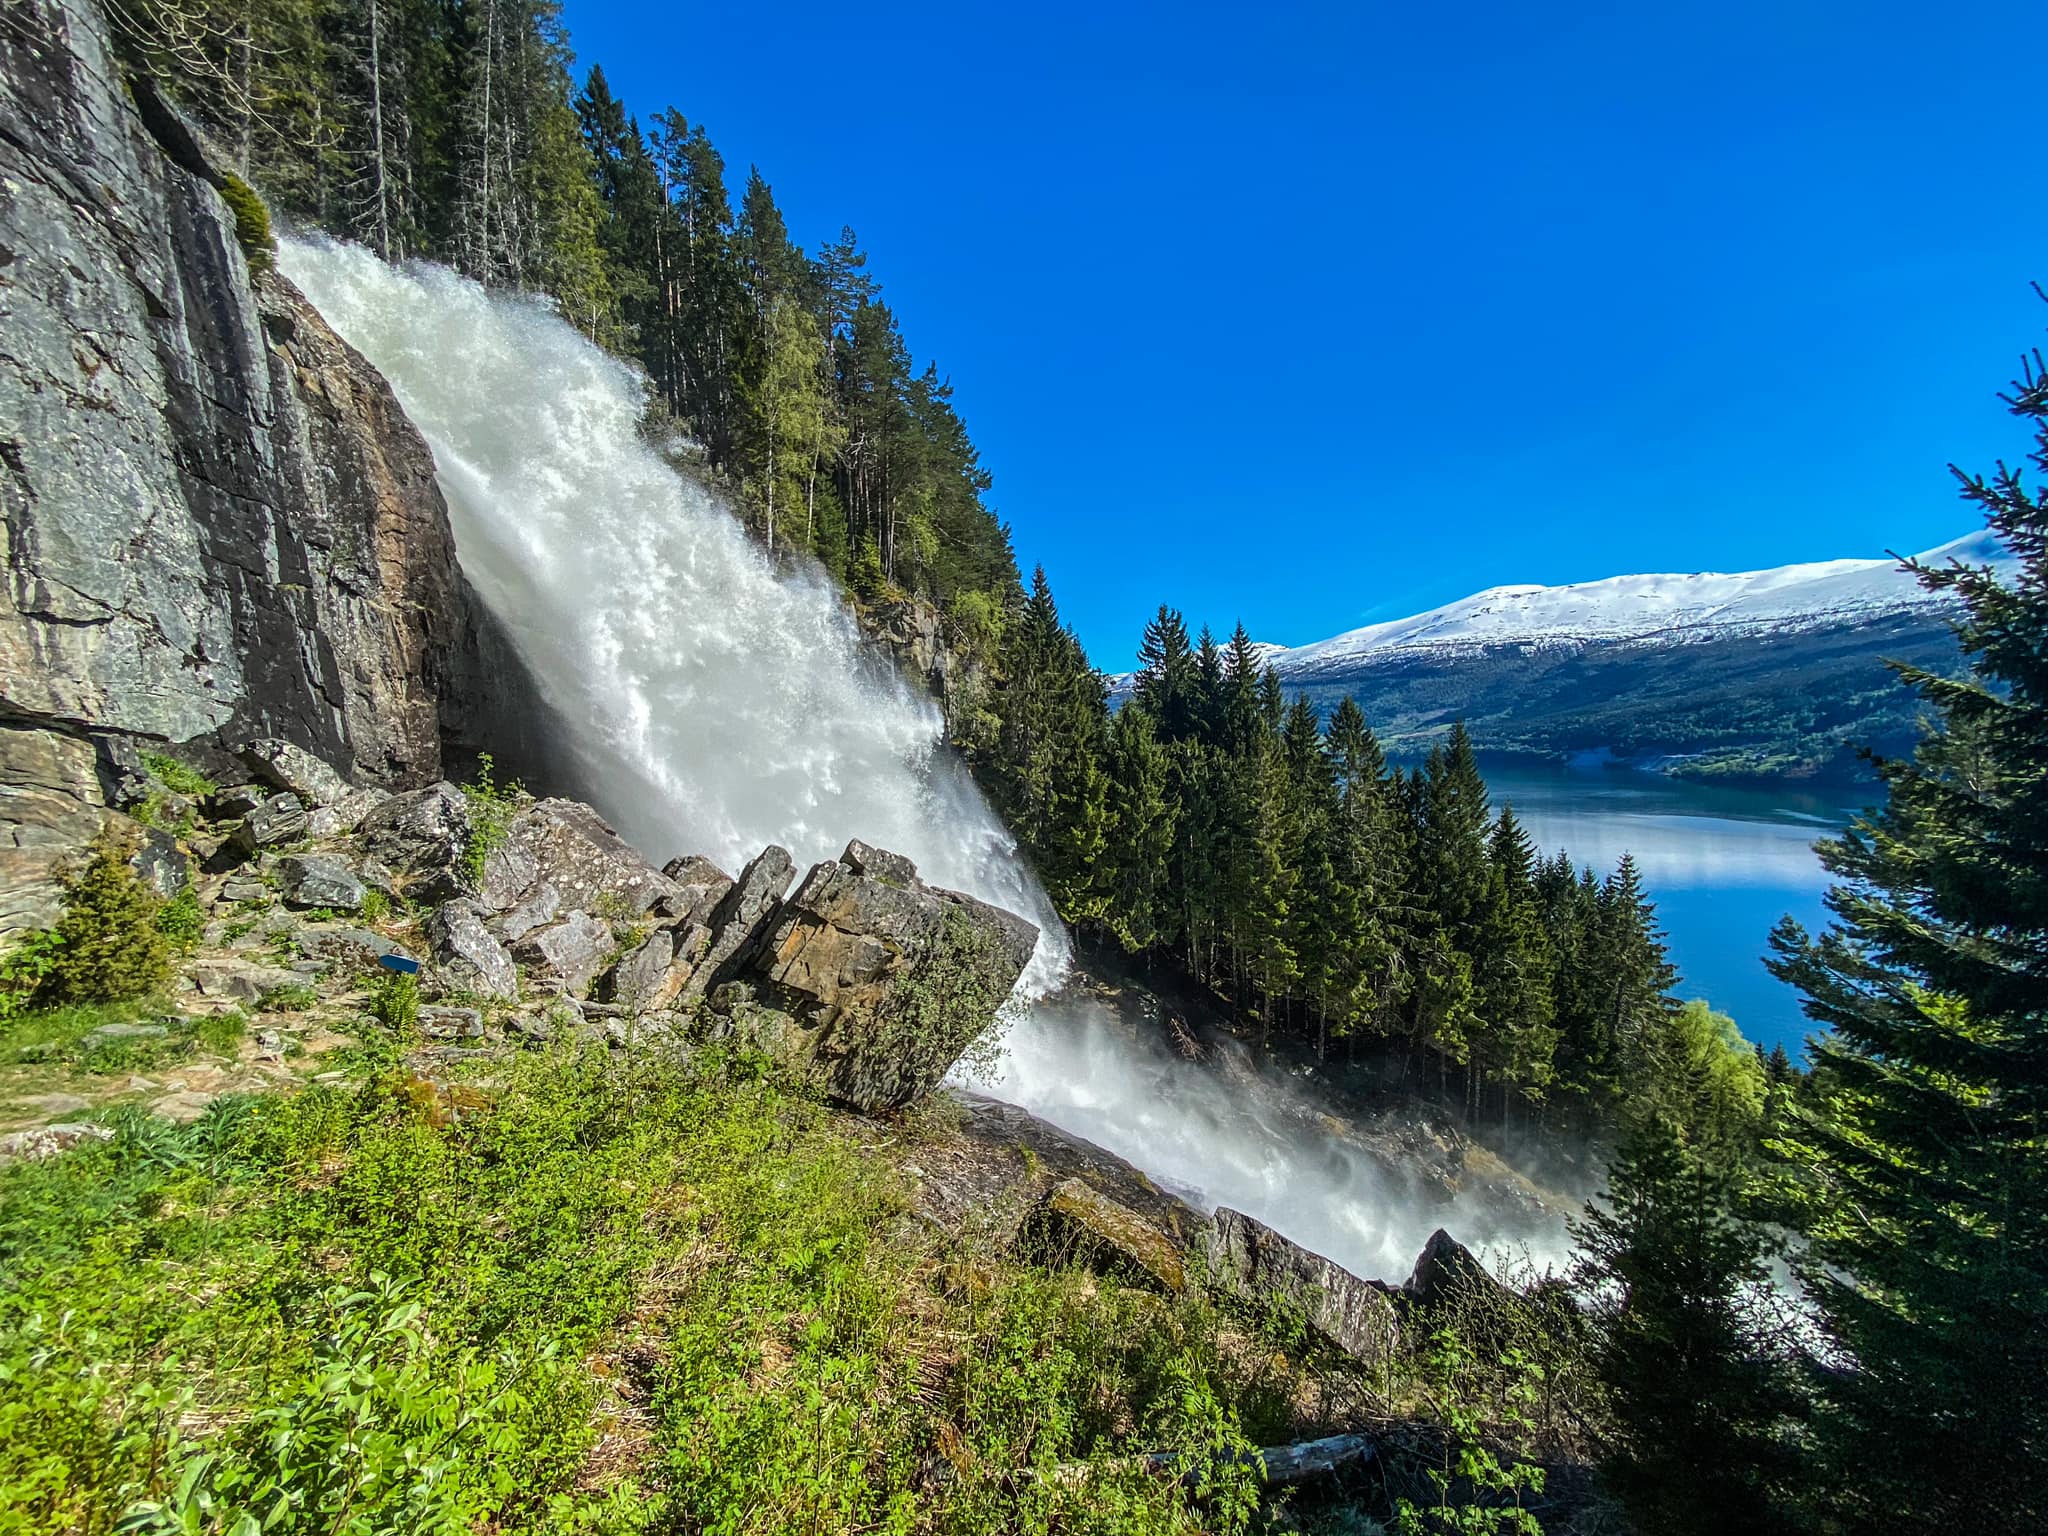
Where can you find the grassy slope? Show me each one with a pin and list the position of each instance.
(595, 1295)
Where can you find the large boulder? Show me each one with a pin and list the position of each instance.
(566, 844)
(1079, 1222)
(652, 974)
(280, 819)
(1250, 1260)
(309, 880)
(468, 957)
(291, 768)
(700, 886)
(1446, 1270)
(423, 838)
(871, 982)
(570, 952)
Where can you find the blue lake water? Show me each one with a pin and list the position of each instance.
(1723, 865)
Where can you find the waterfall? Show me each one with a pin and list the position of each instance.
(715, 704)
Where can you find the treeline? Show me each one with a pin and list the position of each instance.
(1327, 895)
(453, 130)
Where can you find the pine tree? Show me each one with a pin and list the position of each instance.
(1921, 1135)
(1167, 679)
(1702, 1406)
(1134, 872)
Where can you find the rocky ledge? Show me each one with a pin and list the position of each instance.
(535, 917)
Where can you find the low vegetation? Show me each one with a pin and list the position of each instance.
(599, 1294)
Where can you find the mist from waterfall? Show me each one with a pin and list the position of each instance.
(715, 704)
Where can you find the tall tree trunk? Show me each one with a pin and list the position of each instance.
(377, 134)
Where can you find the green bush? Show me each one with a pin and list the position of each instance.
(111, 946)
(25, 972)
(182, 921)
(221, 1033)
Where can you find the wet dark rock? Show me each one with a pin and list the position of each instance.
(1446, 1270)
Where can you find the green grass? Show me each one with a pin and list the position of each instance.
(592, 1298)
(179, 778)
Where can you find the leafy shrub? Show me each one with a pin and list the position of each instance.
(111, 946)
(178, 777)
(1477, 1494)
(376, 906)
(386, 1435)
(490, 816)
(25, 972)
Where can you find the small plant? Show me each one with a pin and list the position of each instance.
(376, 906)
(222, 1033)
(490, 817)
(252, 223)
(182, 921)
(179, 778)
(1489, 1492)
(293, 997)
(111, 946)
(396, 1003)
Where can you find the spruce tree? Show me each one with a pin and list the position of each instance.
(1701, 1437)
(1923, 1135)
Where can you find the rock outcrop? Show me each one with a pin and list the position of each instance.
(217, 527)
(1250, 1260)
(872, 982)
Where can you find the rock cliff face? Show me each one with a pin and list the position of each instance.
(215, 522)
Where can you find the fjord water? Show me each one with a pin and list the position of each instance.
(715, 704)
(1722, 864)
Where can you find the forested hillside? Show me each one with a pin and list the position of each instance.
(1324, 893)
(457, 132)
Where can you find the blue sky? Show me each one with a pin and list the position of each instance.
(1317, 315)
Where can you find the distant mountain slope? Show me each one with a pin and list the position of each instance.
(1775, 673)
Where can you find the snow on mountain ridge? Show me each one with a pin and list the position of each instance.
(1675, 607)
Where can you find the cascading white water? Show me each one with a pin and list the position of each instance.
(718, 705)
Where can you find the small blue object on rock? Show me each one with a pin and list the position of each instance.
(405, 965)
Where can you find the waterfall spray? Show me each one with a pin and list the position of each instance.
(716, 704)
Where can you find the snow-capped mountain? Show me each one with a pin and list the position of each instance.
(1672, 609)
(1776, 674)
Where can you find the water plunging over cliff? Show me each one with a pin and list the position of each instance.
(715, 704)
